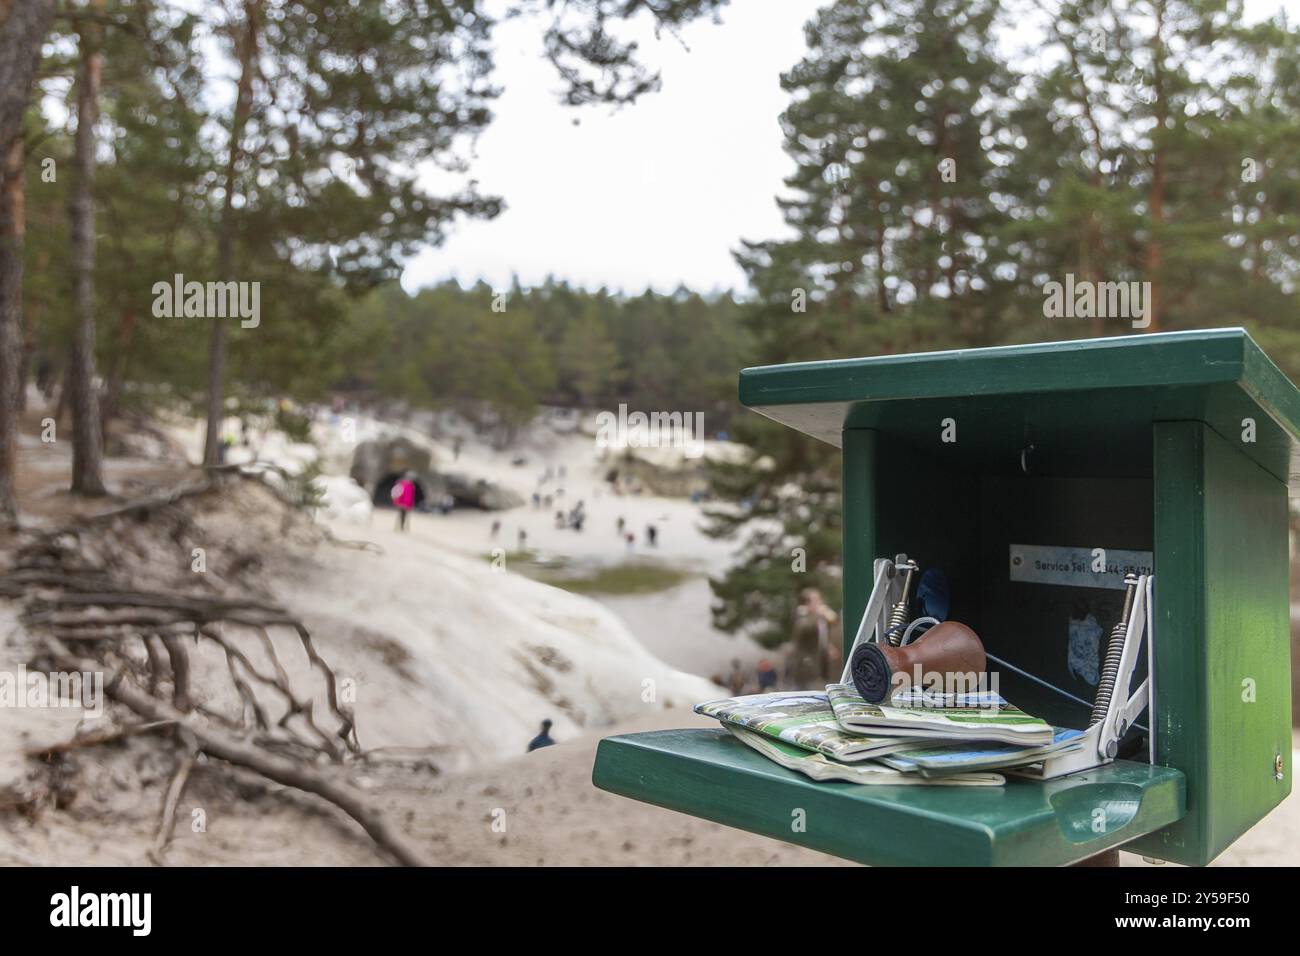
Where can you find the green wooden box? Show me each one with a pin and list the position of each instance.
(1177, 448)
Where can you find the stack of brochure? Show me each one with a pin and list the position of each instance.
(982, 716)
(915, 738)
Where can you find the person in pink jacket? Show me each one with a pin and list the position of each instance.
(403, 495)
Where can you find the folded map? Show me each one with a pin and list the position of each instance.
(932, 760)
(982, 716)
(820, 767)
(802, 718)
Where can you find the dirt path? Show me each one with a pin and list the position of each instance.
(553, 816)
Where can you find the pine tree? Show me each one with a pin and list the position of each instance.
(87, 434)
(587, 361)
(1157, 152)
(337, 105)
(23, 26)
(898, 126)
(150, 199)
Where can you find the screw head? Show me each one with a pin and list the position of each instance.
(1112, 748)
(1277, 767)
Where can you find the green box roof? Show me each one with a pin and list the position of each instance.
(1085, 392)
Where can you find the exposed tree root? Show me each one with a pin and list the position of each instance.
(167, 818)
(224, 746)
(71, 605)
(143, 506)
(95, 740)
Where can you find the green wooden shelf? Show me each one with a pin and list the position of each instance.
(710, 774)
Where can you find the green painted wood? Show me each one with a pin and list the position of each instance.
(1064, 397)
(1029, 625)
(710, 774)
(1130, 361)
(859, 525)
(1111, 422)
(1222, 658)
(931, 513)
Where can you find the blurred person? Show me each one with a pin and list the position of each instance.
(403, 495)
(44, 375)
(736, 679)
(810, 666)
(652, 535)
(543, 739)
(766, 676)
(496, 528)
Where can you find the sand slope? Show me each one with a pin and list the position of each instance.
(449, 653)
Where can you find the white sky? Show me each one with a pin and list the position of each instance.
(655, 194)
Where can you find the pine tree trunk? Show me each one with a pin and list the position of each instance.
(61, 406)
(1156, 198)
(14, 219)
(117, 373)
(247, 54)
(32, 319)
(23, 26)
(1091, 264)
(11, 338)
(87, 437)
(216, 391)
